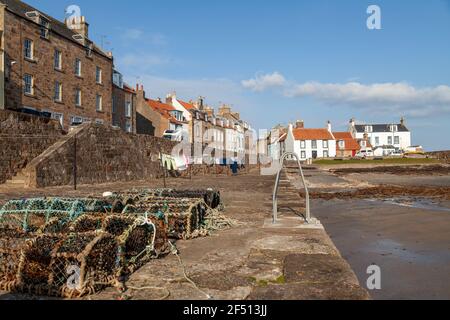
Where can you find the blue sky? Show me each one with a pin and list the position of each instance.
(279, 61)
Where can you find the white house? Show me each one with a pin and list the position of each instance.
(397, 135)
(184, 114)
(311, 143)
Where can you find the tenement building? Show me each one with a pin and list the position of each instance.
(123, 104)
(53, 67)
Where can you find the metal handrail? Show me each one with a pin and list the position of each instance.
(277, 183)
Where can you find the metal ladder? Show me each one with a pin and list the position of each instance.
(277, 183)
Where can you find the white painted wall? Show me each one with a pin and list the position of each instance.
(307, 152)
(383, 139)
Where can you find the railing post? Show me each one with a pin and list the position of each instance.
(277, 181)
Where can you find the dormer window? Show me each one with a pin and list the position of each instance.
(42, 21)
(368, 129)
(44, 28)
(393, 128)
(89, 50)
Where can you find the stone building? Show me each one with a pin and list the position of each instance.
(155, 117)
(123, 104)
(50, 66)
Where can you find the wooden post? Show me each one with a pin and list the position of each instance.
(75, 162)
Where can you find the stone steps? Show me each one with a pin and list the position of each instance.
(16, 181)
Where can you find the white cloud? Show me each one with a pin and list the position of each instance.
(132, 34)
(135, 34)
(265, 81)
(379, 98)
(215, 90)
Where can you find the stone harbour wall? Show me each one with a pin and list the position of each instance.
(103, 154)
(22, 138)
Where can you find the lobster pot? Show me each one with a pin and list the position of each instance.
(137, 240)
(211, 197)
(12, 242)
(31, 221)
(140, 237)
(83, 264)
(183, 219)
(34, 266)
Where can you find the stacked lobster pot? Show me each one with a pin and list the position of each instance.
(184, 210)
(74, 247)
(73, 253)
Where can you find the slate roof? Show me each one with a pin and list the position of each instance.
(380, 128)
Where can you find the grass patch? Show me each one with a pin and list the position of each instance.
(384, 161)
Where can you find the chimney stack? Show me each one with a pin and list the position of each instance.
(329, 126)
(299, 124)
(78, 25)
(402, 121)
(200, 104)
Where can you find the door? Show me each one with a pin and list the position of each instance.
(314, 154)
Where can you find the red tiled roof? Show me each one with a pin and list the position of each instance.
(186, 105)
(342, 135)
(350, 143)
(164, 109)
(312, 134)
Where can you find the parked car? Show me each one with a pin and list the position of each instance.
(174, 135)
(384, 151)
(397, 153)
(364, 154)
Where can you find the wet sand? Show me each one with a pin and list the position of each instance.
(409, 239)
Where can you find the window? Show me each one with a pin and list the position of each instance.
(128, 109)
(393, 128)
(303, 154)
(74, 120)
(98, 75)
(44, 28)
(396, 140)
(28, 84)
(341, 144)
(377, 141)
(28, 49)
(99, 103)
(314, 144)
(390, 140)
(128, 127)
(302, 144)
(78, 97)
(113, 104)
(78, 67)
(58, 91)
(368, 129)
(59, 117)
(363, 144)
(325, 144)
(89, 51)
(57, 60)
(325, 154)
